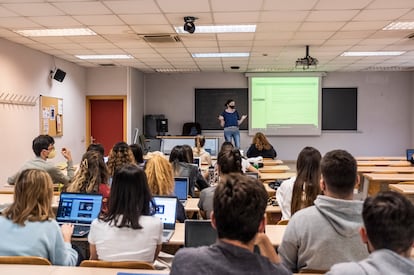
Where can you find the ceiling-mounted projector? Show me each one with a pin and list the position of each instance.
(307, 61)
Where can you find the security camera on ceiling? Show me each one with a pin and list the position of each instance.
(189, 24)
(307, 61)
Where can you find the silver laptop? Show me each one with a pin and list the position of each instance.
(79, 209)
(181, 188)
(166, 211)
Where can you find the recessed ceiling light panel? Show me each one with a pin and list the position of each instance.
(209, 55)
(400, 26)
(220, 29)
(371, 53)
(104, 56)
(55, 32)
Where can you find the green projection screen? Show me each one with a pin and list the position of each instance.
(285, 105)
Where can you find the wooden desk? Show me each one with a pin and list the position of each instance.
(69, 270)
(275, 233)
(405, 189)
(270, 162)
(374, 182)
(274, 169)
(7, 189)
(276, 176)
(386, 169)
(381, 158)
(383, 163)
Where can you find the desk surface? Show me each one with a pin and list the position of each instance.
(383, 163)
(274, 232)
(276, 176)
(386, 169)
(406, 189)
(381, 158)
(274, 169)
(389, 177)
(69, 270)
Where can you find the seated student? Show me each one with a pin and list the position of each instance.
(28, 227)
(300, 191)
(199, 151)
(246, 166)
(127, 232)
(138, 154)
(227, 162)
(182, 163)
(326, 233)
(119, 155)
(161, 180)
(92, 177)
(96, 147)
(261, 147)
(388, 233)
(239, 218)
(43, 147)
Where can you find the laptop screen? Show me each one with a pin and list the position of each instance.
(78, 207)
(181, 188)
(165, 209)
(199, 233)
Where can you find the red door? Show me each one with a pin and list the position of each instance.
(106, 122)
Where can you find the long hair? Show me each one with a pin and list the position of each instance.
(306, 187)
(230, 161)
(92, 172)
(160, 175)
(199, 143)
(119, 155)
(129, 199)
(33, 194)
(261, 142)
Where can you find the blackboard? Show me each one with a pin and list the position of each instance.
(339, 108)
(209, 104)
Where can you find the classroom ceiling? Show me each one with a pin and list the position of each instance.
(284, 27)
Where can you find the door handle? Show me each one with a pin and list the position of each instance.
(93, 139)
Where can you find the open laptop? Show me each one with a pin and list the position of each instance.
(166, 210)
(79, 209)
(410, 155)
(199, 233)
(181, 188)
(254, 175)
(197, 162)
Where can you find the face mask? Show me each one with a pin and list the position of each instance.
(232, 107)
(52, 154)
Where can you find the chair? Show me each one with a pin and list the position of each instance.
(122, 264)
(191, 129)
(29, 260)
(283, 222)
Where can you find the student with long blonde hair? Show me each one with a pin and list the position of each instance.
(160, 177)
(28, 227)
(261, 147)
(199, 151)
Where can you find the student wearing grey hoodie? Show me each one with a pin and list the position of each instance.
(322, 235)
(388, 233)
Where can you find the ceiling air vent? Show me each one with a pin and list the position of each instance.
(107, 65)
(161, 38)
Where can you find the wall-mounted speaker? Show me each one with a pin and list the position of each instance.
(59, 75)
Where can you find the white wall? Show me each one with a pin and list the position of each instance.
(106, 81)
(137, 100)
(385, 117)
(25, 72)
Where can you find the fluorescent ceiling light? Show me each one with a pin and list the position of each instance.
(371, 53)
(399, 26)
(219, 29)
(56, 32)
(172, 70)
(196, 55)
(105, 56)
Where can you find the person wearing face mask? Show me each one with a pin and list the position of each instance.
(230, 121)
(43, 147)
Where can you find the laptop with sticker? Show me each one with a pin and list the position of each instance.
(181, 188)
(166, 211)
(79, 209)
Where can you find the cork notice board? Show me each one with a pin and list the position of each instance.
(51, 116)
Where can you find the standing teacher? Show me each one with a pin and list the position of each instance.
(230, 120)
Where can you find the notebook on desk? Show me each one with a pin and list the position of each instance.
(181, 189)
(80, 210)
(166, 211)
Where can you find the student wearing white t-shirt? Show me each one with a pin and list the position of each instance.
(127, 232)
